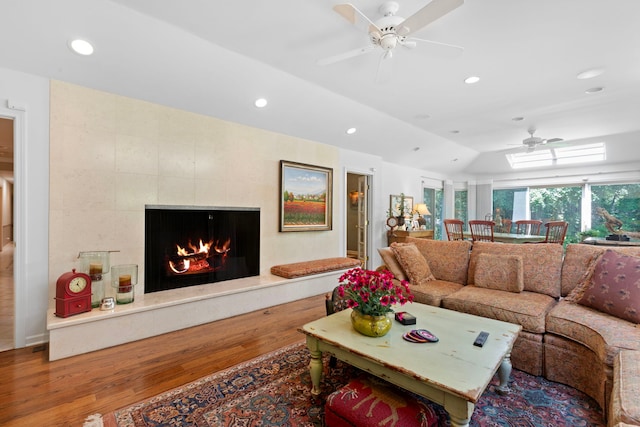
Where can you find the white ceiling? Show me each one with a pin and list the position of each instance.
(215, 58)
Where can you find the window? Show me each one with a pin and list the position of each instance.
(460, 207)
(621, 201)
(567, 155)
(545, 204)
(433, 200)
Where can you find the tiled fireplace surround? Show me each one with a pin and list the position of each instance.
(110, 156)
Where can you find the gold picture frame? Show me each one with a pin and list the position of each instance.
(306, 195)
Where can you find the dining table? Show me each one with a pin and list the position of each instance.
(512, 237)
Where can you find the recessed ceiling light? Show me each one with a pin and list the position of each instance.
(416, 149)
(589, 74)
(81, 47)
(454, 131)
(471, 80)
(594, 90)
(351, 131)
(517, 119)
(260, 103)
(422, 116)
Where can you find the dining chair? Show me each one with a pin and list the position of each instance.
(481, 231)
(454, 229)
(505, 227)
(556, 230)
(528, 226)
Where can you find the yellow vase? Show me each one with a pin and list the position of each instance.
(371, 326)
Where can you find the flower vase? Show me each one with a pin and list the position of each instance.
(371, 326)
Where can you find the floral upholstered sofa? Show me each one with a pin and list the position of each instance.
(541, 287)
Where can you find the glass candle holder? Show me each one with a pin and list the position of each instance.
(123, 279)
(95, 264)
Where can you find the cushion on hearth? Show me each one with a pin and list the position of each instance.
(370, 402)
(307, 268)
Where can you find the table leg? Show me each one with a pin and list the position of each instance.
(315, 365)
(504, 373)
(459, 410)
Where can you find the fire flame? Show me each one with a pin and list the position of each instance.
(204, 248)
(196, 257)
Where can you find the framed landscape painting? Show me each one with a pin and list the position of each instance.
(305, 197)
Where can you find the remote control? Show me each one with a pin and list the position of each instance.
(482, 337)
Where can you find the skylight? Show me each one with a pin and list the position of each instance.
(567, 155)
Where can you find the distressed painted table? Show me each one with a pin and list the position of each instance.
(451, 372)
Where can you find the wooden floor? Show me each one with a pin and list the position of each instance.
(36, 392)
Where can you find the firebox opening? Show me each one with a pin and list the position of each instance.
(192, 245)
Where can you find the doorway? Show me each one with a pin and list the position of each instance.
(357, 217)
(7, 283)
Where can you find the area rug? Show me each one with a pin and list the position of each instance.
(273, 390)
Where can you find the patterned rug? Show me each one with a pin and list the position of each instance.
(273, 390)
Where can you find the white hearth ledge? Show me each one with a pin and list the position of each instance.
(167, 311)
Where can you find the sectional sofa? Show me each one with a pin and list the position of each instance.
(542, 287)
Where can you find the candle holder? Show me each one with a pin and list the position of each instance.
(123, 279)
(95, 264)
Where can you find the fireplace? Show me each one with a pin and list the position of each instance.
(193, 245)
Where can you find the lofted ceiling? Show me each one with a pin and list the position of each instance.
(216, 58)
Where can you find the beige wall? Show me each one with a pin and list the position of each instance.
(111, 155)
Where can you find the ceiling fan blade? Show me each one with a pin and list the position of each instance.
(553, 140)
(434, 10)
(438, 44)
(385, 68)
(442, 50)
(346, 55)
(356, 17)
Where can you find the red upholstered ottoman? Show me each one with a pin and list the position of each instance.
(369, 402)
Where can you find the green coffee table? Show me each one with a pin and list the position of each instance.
(451, 372)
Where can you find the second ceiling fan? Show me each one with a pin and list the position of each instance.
(391, 30)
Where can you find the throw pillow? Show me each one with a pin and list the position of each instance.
(412, 262)
(391, 262)
(614, 287)
(500, 272)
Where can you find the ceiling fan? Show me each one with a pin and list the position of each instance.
(533, 141)
(391, 30)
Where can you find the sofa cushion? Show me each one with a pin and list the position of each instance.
(602, 333)
(500, 272)
(432, 292)
(541, 262)
(613, 286)
(412, 262)
(625, 405)
(448, 260)
(577, 258)
(527, 309)
(390, 261)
